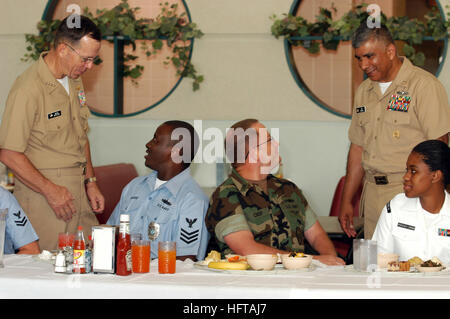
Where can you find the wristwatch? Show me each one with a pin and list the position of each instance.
(90, 180)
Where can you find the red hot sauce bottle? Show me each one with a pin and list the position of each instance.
(123, 261)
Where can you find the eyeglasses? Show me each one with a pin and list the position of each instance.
(248, 152)
(83, 59)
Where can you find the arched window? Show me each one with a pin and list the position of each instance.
(108, 93)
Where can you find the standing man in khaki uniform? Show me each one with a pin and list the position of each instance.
(43, 136)
(397, 107)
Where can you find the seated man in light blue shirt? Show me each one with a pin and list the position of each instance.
(167, 204)
(20, 236)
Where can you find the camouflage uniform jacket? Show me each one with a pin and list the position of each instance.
(276, 219)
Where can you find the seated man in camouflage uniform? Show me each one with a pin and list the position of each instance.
(255, 212)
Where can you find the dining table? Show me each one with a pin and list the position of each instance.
(29, 277)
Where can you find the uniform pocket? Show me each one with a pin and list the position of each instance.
(57, 120)
(397, 118)
(363, 118)
(405, 235)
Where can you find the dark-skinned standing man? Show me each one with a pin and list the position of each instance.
(398, 106)
(43, 136)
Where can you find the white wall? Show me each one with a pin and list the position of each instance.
(246, 75)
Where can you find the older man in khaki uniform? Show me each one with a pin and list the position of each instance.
(397, 107)
(43, 137)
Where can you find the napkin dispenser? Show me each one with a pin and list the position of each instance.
(104, 249)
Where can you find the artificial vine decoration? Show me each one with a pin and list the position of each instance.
(331, 32)
(121, 20)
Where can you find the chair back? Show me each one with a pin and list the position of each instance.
(337, 199)
(111, 179)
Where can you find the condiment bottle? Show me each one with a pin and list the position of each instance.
(60, 262)
(123, 261)
(88, 255)
(79, 250)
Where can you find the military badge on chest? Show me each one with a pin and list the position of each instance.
(82, 97)
(399, 101)
(153, 230)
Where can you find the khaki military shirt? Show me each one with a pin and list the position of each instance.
(42, 121)
(413, 109)
(277, 218)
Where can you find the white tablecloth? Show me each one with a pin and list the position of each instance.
(26, 277)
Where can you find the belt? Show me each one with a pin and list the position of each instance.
(383, 179)
(65, 171)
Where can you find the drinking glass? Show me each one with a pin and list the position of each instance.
(140, 256)
(356, 254)
(167, 255)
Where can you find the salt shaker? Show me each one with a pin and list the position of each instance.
(60, 262)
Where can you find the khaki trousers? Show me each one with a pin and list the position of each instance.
(42, 216)
(374, 197)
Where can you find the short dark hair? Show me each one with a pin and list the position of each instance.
(194, 139)
(75, 27)
(236, 138)
(365, 33)
(436, 154)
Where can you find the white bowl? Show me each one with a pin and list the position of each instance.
(262, 261)
(296, 262)
(383, 259)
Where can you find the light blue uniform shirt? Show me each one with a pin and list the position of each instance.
(19, 231)
(179, 206)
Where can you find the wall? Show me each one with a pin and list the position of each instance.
(246, 75)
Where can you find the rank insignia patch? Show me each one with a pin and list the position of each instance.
(21, 220)
(399, 103)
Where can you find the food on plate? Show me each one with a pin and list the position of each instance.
(431, 263)
(436, 260)
(234, 258)
(237, 265)
(383, 259)
(213, 256)
(415, 261)
(232, 262)
(295, 254)
(399, 266)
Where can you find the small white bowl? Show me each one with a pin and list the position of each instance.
(383, 259)
(262, 261)
(296, 262)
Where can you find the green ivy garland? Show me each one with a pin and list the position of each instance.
(121, 20)
(328, 32)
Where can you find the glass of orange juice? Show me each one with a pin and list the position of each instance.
(140, 256)
(167, 255)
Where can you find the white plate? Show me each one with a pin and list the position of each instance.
(413, 272)
(429, 269)
(278, 269)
